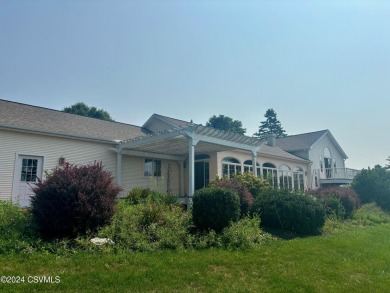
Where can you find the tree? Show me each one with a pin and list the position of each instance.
(387, 167)
(84, 110)
(373, 185)
(270, 126)
(226, 123)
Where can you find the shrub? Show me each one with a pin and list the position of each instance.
(254, 184)
(215, 208)
(297, 213)
(373, 185)
(370, 214)
(333, 206)
(15, 228)
(348, 197)
(137, 195)
(243, 234)
(74, 200)
(246, 198)
(141, 195)
(149, 226)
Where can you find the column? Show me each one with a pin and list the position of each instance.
(191, 168)
(254, 167)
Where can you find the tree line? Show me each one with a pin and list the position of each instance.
(271, 125)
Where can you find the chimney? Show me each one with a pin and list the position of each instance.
(271, 140)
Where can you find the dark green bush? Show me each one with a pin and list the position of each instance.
(215, 208)
(246, 198)
(348, 197)
(73, 200)
(149, 226)
(373, 185)
(297, 213)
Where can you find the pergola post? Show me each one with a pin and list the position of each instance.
(191, 168)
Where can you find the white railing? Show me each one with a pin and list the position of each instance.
(338, 173)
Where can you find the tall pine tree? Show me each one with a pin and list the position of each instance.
(270, 125)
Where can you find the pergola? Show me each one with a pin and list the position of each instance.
(180, 144)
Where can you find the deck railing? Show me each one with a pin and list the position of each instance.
(339, 173)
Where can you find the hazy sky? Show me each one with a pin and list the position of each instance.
(318, 64)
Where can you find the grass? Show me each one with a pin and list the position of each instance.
(355, 259)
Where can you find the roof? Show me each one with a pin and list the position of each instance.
(278, 152)
(177, 122)
(300, 142)
(37, 119)
(305, 141)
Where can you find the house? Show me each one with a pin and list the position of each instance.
(326, 155)
(165, 154)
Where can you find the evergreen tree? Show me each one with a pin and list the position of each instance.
(226, 123)
(270, 125)
(387, 167)
(83, 110)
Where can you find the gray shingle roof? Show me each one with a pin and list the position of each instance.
(300, 141)
(179, 123)
(278, 152)
(26, 117)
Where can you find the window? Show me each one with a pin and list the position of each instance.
(152, 168)
(230, 167)
(270, 173)
(248, 167)
(285, 178)
(299, 183)
(29, 170)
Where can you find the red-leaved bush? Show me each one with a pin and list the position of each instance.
(347, 196)
(73, 200)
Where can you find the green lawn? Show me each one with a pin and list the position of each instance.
(354, 260)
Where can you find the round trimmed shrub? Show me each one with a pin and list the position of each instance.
(294, 212)
(73, 200)
(246, 198)
(215, 208)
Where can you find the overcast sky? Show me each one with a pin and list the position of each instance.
(318, 64)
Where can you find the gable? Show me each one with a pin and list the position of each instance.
(300, 144)
(158, 123)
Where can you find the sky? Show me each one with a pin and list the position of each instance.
(318, 64)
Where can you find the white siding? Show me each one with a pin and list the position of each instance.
(317, 152)
(51, 149)
(133, 175)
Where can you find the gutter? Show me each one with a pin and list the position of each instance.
(58, 134)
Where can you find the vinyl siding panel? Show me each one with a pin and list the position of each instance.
(51, 149)
(133, 176)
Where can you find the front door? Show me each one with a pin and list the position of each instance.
(28, 170)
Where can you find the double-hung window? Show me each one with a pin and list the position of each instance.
(152, 168)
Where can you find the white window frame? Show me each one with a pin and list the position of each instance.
(152, 167)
